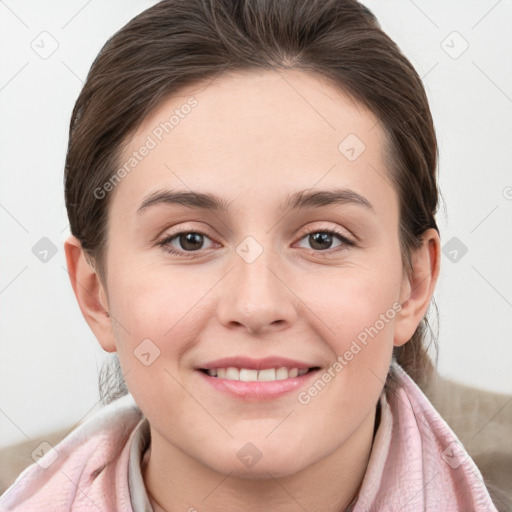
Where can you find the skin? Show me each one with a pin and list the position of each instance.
(253, 139)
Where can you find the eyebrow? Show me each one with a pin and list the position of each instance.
(298, 200)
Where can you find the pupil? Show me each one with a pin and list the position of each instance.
(187, 241)
(320, 238)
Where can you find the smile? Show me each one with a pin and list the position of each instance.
(250, 379)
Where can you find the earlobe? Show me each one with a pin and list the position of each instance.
(418, 287)
(90, 293)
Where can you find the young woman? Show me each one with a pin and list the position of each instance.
(251, 188)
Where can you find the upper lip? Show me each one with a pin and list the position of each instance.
(255, 364)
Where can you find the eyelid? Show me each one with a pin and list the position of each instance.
(181, 228)
(346, 235)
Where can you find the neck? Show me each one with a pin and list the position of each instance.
(176, 482)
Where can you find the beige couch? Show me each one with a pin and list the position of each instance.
(482, 421)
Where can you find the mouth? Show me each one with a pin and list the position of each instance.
(256, 379)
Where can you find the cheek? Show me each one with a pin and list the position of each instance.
(155, 305)
(145, 313)
(360, 317)
(359, 300)
(363, 316)
(152, 333)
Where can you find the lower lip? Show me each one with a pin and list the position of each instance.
(257, 390)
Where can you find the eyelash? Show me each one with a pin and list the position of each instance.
(167, 240)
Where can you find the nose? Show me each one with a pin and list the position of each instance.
(257, 296)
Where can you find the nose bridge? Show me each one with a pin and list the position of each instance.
(257, 297)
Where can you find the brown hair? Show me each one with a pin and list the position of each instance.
(177, 43)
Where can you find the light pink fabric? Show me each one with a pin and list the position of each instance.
(416, 464)
(69, 483)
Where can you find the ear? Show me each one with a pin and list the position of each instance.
(418, 286)
(90, 293)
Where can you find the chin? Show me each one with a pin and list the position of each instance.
(258, 462)
(263, 471)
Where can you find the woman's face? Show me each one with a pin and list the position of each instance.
(257, 285)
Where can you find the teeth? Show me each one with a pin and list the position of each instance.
(268, 374)
(232, 373)
(281, 373)
(250, 375)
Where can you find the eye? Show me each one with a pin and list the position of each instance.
(193, 241)
(322, 239)
(189, 241)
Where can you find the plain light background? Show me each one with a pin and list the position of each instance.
(49, 359)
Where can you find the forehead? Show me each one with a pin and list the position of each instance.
(255, 134)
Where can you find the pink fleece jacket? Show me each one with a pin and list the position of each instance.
(417, 464)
